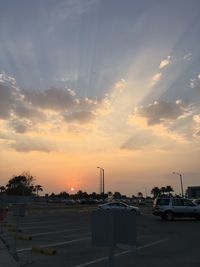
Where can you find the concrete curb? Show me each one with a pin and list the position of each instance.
(5, 258)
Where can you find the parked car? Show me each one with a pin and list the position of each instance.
(196, 202)
(169, 208)
(119, 205)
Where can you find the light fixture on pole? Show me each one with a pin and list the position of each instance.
(102, 184)
(181, 181)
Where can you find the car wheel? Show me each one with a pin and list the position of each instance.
(169, 216)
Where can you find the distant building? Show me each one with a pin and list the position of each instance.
(193, 192)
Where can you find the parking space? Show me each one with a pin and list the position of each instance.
(62, 237)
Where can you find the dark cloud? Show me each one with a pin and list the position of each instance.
(25, 110)
(161, 111)
(30, 144)
(7, 99)
(137, 142)
(81, 117)
(32, 105)
(53, 99)
(20, 128)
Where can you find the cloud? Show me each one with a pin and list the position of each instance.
(19, 127)
(161, 111)
(156, 78)
(187, 57)
(53, 98)
(25, 110)
(7, 99)
(81, 117)
(5, 78)
(31, 144)
(120, 84)
(196, 120)
(195, 82)
(137, 142)
(165, 62)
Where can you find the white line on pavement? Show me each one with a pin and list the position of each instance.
(57, 232)
(123, 252)
(44, 226)
(56, 244)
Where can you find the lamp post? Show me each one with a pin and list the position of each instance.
(180, 175)
(102, 184)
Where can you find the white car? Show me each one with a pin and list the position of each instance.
(119, 205)
(169, 208)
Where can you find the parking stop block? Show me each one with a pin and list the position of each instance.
(46, 251)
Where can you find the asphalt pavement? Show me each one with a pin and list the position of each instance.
(60, 236)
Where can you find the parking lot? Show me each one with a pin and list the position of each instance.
(63, 235)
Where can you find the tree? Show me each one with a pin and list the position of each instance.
(22, 184)
(2, 189)
(38, 188)
(139, 194)
(117, 195)
(63, 194)
(163, 190)
(93, 195)
(169, 189)
(155, 191)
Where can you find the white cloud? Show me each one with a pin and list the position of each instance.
(156, 78)
(196, 120)
(187, 56)
(5, 78)
(164, 62)
(120, 84)
(195, 81)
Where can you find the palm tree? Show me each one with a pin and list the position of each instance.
(38, 188)
(169, 189)
(155, 191)
(163, 190)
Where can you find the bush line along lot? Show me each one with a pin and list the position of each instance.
(57, 236)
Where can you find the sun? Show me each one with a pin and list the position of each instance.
(72, 189)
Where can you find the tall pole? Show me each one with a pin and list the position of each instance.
(181, 184)
(102, 180)
(103, 184)
(181, 181)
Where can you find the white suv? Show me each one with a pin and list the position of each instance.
(168, 208)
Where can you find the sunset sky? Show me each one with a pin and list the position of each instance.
(109, 83)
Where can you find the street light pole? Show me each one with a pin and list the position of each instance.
(102, 182)
(181, 181)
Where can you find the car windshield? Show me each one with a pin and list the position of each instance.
(162, 201)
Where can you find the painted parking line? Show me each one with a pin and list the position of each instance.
(123, 252)
(44, 226)
(57, 232)
(56, 244)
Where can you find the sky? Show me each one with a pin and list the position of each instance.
(109, 83)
